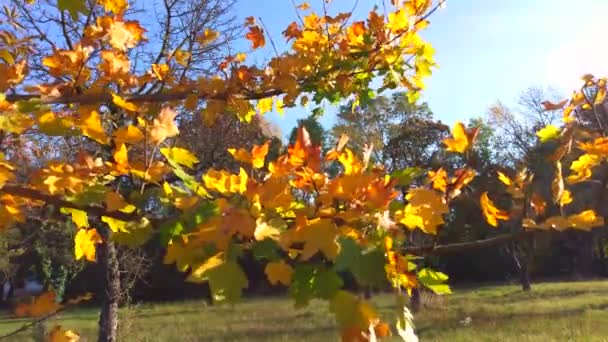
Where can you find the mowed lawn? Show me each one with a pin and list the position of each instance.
(550, 312)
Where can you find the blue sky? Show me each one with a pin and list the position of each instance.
(486, 49)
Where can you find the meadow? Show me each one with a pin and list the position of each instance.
(566, 311)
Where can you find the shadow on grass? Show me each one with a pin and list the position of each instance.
(482, 318)
(520, 296)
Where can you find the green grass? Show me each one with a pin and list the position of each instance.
(550, 312)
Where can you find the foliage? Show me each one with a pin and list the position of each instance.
(133, 181)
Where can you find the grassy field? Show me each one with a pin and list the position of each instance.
(550, 312)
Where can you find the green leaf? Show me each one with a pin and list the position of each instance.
(547, 133)
(73, 7)
(406, 176)
(266, 249)
(434, 280)
(226, 282)
(187, 221)
(366, 266)
(92, 195)
(133, 234)
(188, 180)
(309, 282)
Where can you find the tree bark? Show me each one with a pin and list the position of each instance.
(108, 318)
(415, 300)
(524, 274)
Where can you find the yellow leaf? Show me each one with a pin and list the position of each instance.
(180, 156)
(425, 210)
(490, 212)
(129, 134)
(279, 272)
(398, 21)
(504, 178)
(122, 103)
(353, 315)
(84, 244)
(264, 230)
(58, 334)
(115, 225)
(585, 220)
(79, 217)
(566, 198)
(280, 106)
(91, 127)
(161, 71)
(318, 235)
(121, 155)
(582, 167)
(115, 6)
(225, 182)
(198, 273)
(264, 105)
(164, 126)
(547, 133)
(461, 139)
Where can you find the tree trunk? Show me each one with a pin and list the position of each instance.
(524, 274)
(108, 318)
(415, 300)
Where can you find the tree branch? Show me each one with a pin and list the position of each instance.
(60, 202)
(88, 99)
(472, 245)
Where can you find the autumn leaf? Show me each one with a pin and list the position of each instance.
(129, 134)
(279, 272)
(303, 6)
(79, 217)
(180, 156)
(115, 202)
(547, 133)
(256, 157)
(425, 210)
(164, 126)
(462, 139)
(256, 37)
(548, 105)
(115, 6)
(39, 306)
(58, 334)
(84, 244)
(490, 212)
(91, 127)
(122, 103)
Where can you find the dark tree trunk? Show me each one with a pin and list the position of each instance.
(415, 300)
(108, 318)
(524, 274)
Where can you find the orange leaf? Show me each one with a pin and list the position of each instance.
(490, 212)
(256, 36)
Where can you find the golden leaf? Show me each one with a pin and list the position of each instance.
(425, 210)
(115, 6)
(462, 139)
(84, 244)
(91, 127)
(279, 272)
(490, 212)
(58, 334)
(120, 102)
